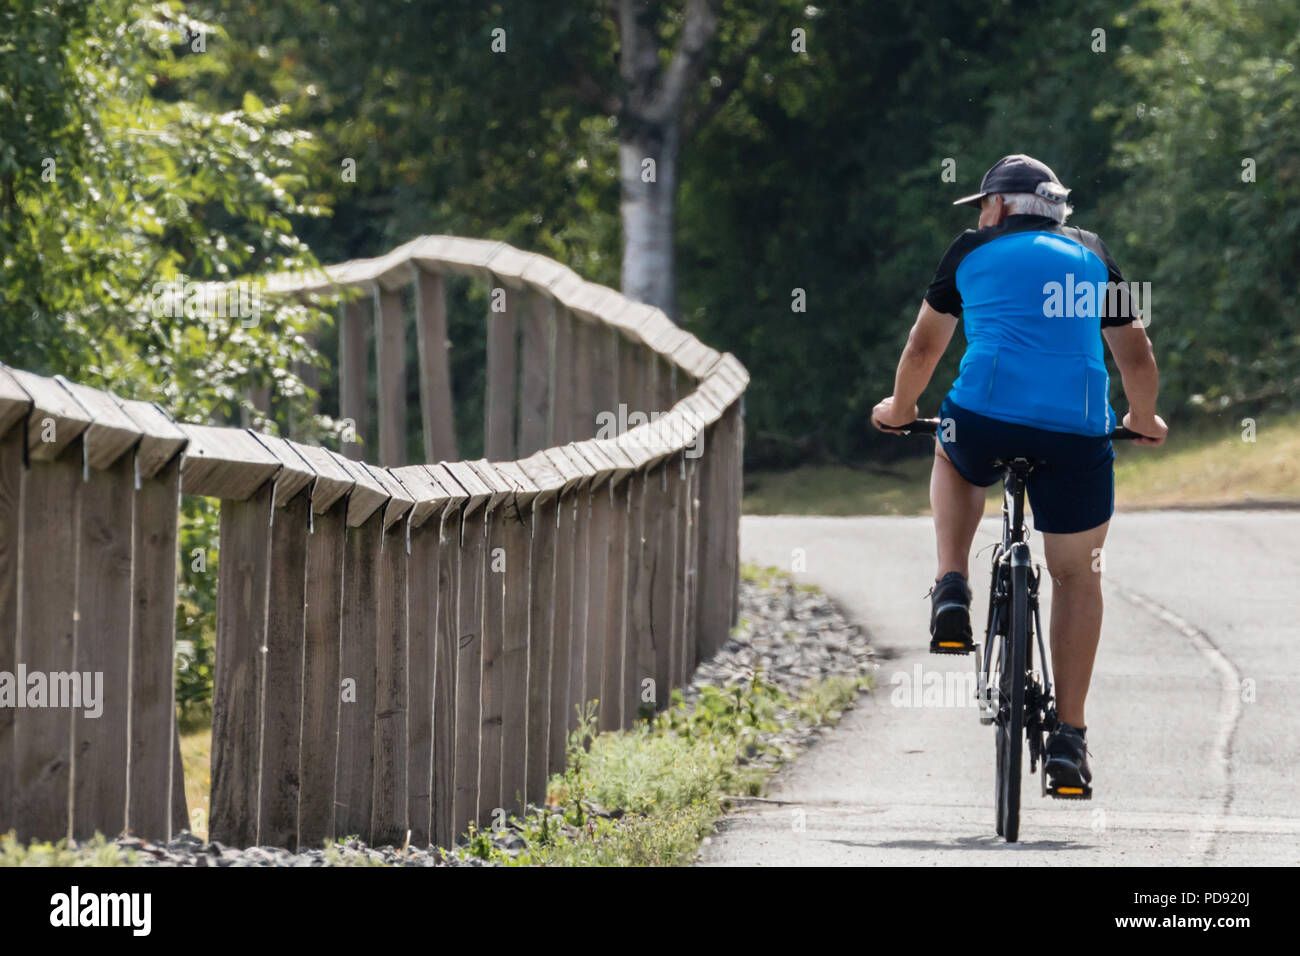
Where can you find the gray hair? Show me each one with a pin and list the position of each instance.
(1029, 204)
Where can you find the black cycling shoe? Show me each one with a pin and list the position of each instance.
(1066, 764)
(950, 616)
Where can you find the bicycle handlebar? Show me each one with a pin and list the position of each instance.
(930, 426)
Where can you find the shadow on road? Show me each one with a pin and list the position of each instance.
(966, 843)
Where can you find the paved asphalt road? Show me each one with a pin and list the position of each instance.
(1194, 713)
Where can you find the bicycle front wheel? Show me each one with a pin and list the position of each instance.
(1011, 717)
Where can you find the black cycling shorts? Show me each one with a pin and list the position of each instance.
(1073, 491)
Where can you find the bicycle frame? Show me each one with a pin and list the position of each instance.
(1040, 712)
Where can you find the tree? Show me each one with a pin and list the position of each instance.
(115, 186)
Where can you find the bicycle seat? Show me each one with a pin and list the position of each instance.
(1021, 467)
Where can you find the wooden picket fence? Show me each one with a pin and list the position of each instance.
(400, 648)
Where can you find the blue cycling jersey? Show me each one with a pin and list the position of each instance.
(1033, 297)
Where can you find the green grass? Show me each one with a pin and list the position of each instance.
(1211, 467)
(196, 759)
(94, 852)
(664, 782)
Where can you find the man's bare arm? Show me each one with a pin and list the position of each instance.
(1136, 360)
(929, 338)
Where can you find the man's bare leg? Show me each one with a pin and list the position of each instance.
(958, 507)
(1073, 560)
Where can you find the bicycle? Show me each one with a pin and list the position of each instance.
(1009, 694)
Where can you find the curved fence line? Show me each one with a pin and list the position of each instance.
(401, 649)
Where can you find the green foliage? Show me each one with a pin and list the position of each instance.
(1223, 88)
(114, 184)
(647, 795)
(97, 851)
(196, 610)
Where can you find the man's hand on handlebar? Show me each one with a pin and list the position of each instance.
(886, 415)
(1152, 429)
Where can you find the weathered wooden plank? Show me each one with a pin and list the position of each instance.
(390, 356)
(689, 555)
(103, 647)
(11, 477)
(400, 499)
(535, 378)
(561, 630)
(161, 439)
(55, 420)
(499, 507)
(632, 375)
(541, 591)
(295, 473)
(514, 660)
(502, 371)
(282, 711)
(469, 653)
(562, 389)
(492, 671)
(367, 496)
(583, 407)
(226, 463)
(389, 820)
(51, 516)
(354, 374)
(443, 757)
(321, 691)
(711, 617)
(435, 377)
(14, 402)
(664, 586)
(736, 441)
(578, 607)
(641, 691)
(719, 563)
(611, 678)
(354, 784)
(239, 672)
(153, 637)
(422, 633)
(593, 556)
(111, 433)
(333, 481)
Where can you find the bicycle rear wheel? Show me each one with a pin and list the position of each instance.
(1011, 717)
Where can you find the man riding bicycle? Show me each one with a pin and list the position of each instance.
(1037, 298)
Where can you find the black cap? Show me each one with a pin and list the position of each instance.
(1018, 174)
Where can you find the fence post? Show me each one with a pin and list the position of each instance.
(518, 636)
(14, 404)
(153, 624)
(612, 715)
(390, 361)
(389, 816)
(354, 374)
(599, 624)
(354, 784)
(541, 615)
(435, 375)
(422, 590)
(502, 369)
(492, 670)
(238, 674)
(446, 646)
(535, 378)
(469, 645)
(562, 373)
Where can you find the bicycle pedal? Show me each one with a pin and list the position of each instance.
(1070, 793)
(950, 647)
